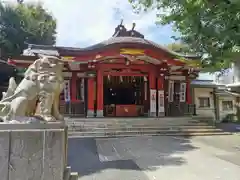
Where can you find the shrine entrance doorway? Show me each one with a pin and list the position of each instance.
(123, 96)
(176, 102)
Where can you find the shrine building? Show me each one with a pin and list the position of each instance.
(124, 76)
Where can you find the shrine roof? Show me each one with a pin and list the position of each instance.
(203, 83)
(121, 38)
(113, 42)
(123, 43)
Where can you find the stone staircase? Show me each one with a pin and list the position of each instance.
(123, 127)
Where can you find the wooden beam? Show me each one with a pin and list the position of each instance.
(96, 56)
(143, 68)
(163, 56)
(123, 74)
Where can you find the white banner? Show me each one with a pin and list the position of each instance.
(66, 90)
(82, 89)
(183, 92)
(161, 101)
(153, 102)
(170, 91)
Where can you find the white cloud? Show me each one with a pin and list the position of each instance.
(85, 22)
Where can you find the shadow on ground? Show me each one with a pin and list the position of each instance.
(90, 156)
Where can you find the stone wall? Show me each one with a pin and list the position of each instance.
(33, 151)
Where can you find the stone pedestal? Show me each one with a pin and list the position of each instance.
(99, 113)
(90, 113)
(33, 151)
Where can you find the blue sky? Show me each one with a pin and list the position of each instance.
(81, 23)
(85, 22)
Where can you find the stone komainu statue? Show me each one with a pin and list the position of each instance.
(37, 94)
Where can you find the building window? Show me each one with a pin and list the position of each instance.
(227, 105)
(204, 102)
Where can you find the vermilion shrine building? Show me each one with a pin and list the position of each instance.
(126, 75)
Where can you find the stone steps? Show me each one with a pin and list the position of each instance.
(120, 123)
(137, 125)
(80, 127)
(133, 122)
(146, 126)
(157, 131)
(77, 135)
(128, 120)
(135, 128)
(170, 131)
(203, 118)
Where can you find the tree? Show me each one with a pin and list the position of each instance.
(208, 26)
(21, 23)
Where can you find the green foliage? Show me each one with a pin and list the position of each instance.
(208, 26)
(21, 23)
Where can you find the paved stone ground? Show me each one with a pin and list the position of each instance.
(155, 158)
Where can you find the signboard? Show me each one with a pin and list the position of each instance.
(153, 98)
(66, 91)
(161, 101)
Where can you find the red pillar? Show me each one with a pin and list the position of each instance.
(99, 93)
(153, 94)
(73, 87)
(188, 91)
(90, 99)
(160, 82)
(160, 99)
